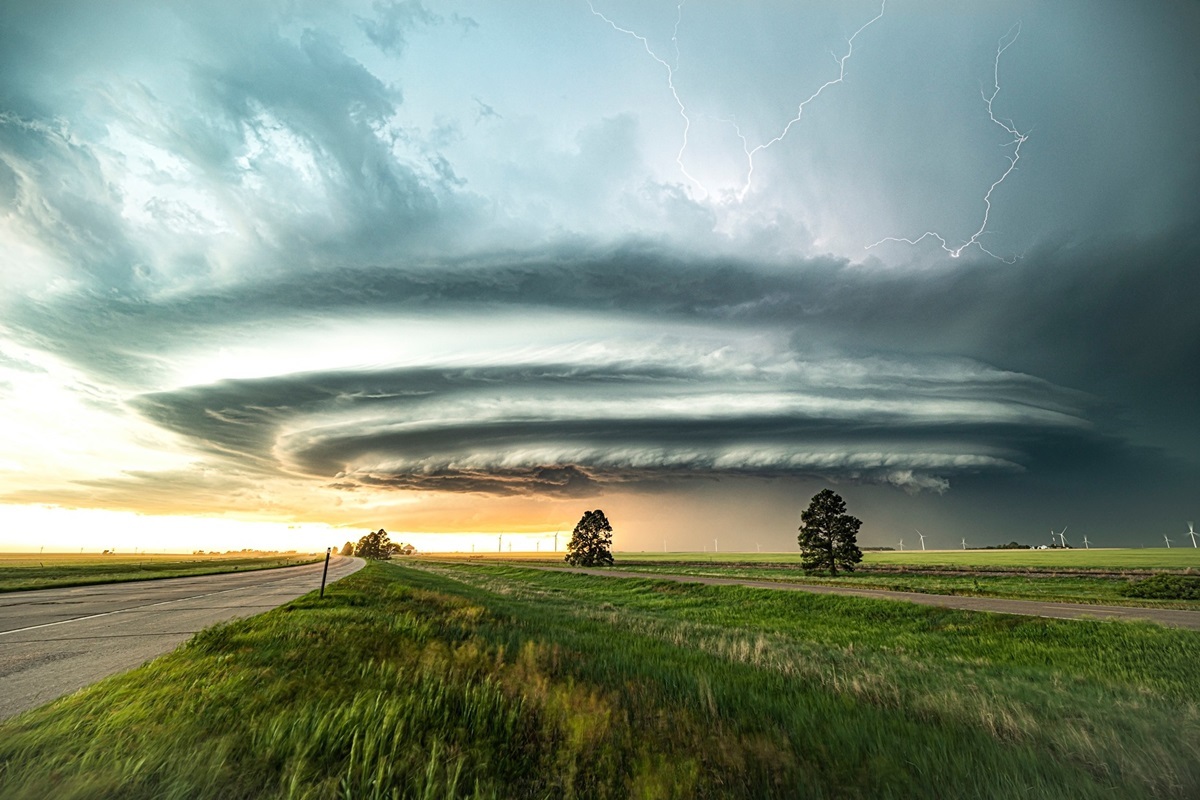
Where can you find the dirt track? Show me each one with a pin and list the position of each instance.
(1036, 608)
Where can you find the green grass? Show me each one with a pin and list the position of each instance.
(21, 571)
(1033, 586)
(1108, 559)
(459, 680)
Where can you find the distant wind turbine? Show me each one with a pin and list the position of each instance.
(964, 543)
(1086, 545)
(1061, 538)
(922, 538)
(901, 545)
(1168, 541)
(1192, 533)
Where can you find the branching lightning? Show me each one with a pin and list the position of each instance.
(1018, 139)
(841, 62)
(687, 121)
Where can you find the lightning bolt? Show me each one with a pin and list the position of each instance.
(749, 151)
(841, 62)
(1018, 139)
(687, 121)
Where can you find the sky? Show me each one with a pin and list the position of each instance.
(297, 270)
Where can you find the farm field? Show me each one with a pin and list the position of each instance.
(1108, 559)
(483, 680)
(1053, 588)
(20, 571)
(1056, 575)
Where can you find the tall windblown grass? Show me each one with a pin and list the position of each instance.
(501, 682)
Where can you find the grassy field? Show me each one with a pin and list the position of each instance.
(472, 680)
(1015, 574)
(1062, 589)
(19, 571)
(1109, 559)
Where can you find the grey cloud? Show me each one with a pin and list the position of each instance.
(233, 105)
(393, 21)
(452, 428)
(54, 189)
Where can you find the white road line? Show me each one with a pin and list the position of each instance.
(121, 611)
(151, 605)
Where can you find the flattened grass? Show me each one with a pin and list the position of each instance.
(490, 681)
(22, 571)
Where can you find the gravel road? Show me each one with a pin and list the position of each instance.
(1036, 608)
(55, 641)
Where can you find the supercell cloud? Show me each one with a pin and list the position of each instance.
(366, 263)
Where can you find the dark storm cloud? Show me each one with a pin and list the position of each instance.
(1104, 317)
(206, 184)
(567, 429)
(1041, 341)
(290, 141)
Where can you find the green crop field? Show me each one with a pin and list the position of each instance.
(480, 680)
(1017, 585)
(1115, 559)
(19, 571)
(1091, 576)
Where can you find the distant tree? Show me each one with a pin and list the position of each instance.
(590, 541)
(828, 535)
(375, 545)
(348, 549)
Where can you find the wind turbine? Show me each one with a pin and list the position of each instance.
(1168, 541)
(901, 545)
(1192, 533)
(922, 538)
(964, 543)
(1086, 545)
(1062, 539)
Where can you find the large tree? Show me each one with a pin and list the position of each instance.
(828, 535)
(590, 541)
(376, 544)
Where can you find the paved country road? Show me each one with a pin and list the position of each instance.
(54, 641)
(1036, 608)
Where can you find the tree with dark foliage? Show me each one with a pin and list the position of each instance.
(590, 541)
(375, 545)
(828, 535)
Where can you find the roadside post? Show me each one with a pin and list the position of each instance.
(325, 571)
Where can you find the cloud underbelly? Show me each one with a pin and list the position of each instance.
(572, 429)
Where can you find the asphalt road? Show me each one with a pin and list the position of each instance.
(1036, 608)
(55, 641)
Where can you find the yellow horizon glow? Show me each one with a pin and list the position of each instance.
(55, 529)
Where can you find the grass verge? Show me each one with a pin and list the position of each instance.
(493, 681)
